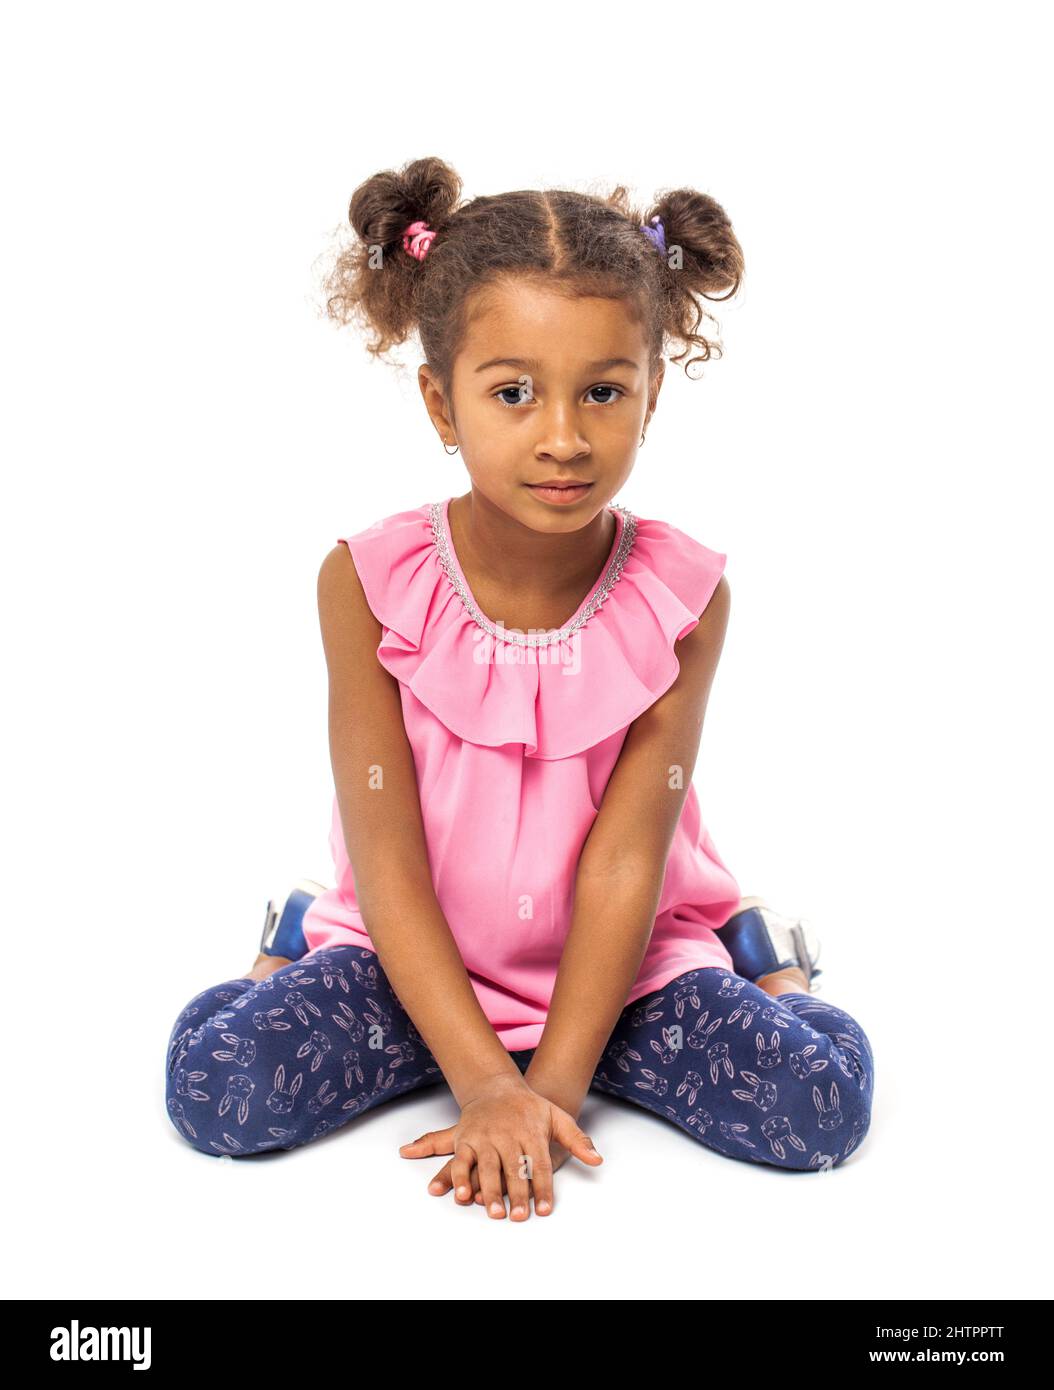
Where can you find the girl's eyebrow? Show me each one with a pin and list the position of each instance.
(531, 364)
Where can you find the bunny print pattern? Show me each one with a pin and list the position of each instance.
(784, 1080)
(275, 1063)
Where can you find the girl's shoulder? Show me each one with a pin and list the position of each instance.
(387, 553)
(678, 560)
(655, 587)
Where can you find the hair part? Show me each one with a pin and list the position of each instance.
(574, 243)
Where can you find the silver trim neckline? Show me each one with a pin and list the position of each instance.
(612, 574)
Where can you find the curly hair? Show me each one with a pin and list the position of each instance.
(576, 243)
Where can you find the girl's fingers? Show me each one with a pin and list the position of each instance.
(542, 1185)
(541, 1190)
(436, 1141)
(488, 1188)
(516, 1169)
(504, 1172)
(538, 1182)
(442, 1182)
(478, 1197)
(460, 1173)
(575, 1140)
(488, 1168)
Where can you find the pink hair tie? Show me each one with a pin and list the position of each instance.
(417, 239)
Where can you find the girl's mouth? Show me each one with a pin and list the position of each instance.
(563, 494)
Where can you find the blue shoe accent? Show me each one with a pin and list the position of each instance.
(761, 941)
(283, 933)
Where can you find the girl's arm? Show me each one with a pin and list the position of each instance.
(622, 867)
(385, 841)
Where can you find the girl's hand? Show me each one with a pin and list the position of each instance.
(499, 1129)
(557, 1153)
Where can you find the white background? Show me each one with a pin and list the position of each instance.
(186, 437)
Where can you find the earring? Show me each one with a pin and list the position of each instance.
(450, 452)
(642, 437)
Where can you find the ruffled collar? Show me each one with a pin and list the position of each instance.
(562, 692)
(621, 545)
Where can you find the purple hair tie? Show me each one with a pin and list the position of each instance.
(656, 235)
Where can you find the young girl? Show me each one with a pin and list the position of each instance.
(528, 905)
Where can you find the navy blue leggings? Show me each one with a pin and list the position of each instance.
(274, 1063)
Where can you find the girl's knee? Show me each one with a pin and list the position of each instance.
(820, 1139)
(232, 1113)
(842, 1112)
(829, 1115)
(232, 1092)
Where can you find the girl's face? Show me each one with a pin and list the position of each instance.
(544, 388)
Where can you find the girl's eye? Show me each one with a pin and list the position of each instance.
(522, 395)
(607, 388)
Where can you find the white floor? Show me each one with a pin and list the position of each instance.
(942, 1199)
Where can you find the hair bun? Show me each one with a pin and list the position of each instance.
(699, 225)
(386, 204)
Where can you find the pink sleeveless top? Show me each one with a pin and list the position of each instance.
(514, 737)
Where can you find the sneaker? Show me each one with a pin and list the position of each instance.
(760, 941)
(282, 932)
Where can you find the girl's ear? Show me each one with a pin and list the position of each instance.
(656, 387)
(434, 401)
